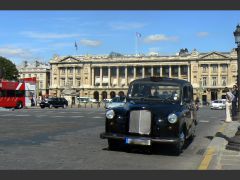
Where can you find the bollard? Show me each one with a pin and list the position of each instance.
(85, 105)
(91, 105)
(78, 105)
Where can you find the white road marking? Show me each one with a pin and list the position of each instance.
(204, 121)
(97, 117)
(58, 116)
(76, 116)
(7, 115)
(22, 115)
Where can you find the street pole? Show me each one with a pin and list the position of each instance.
(238, 75)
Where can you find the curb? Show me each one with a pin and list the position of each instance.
(216, 147)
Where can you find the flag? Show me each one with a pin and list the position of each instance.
(76, 46)
(138, 35)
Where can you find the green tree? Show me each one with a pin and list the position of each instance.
(114, 54)
(8, 70)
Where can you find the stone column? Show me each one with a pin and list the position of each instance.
(126, 76)
(189, 73)
(93, 78)
(143, 72)
(219, 75)
(66, 76)
(179, 72)
(209, 72)
(101, 77)
(74, 76)
(117, 76)
(170, 71)
(160, 71)
(58, 77)
(134, 72)
(109, 76)
(152, 71)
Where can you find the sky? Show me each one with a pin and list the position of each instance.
(39, 35)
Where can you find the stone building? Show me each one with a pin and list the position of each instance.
(101, 77)
(39, 70)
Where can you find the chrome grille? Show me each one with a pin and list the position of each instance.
(140, 122)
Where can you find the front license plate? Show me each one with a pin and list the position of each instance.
(138, 141)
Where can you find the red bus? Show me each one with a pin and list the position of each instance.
(18, 94)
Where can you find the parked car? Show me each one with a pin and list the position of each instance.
(157, 110)
(117, 101)
(218, 104)
(54, 102)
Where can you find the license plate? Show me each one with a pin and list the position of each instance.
(138, 141)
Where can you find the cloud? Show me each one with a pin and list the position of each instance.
(92, 43)
(127, 26)
(15, 52)
(202, 34)
(38, 35)
(159, 38)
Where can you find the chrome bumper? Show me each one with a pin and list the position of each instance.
(124, 137)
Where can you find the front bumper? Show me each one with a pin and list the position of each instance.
(151, 139)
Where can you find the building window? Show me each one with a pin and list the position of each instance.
(29, 75)
(204, 81)
(41, 84)
(70, 81)
(78, 70)
(184, 70)
(224, 68)
(78, 82)
(214, 81)
(224, 81)
(41, 75)
(62, 70)
(214, 68)
(62, 82)
(204, 68)
(70, 70)
(23, 75)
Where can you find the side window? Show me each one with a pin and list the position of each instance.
(185, 92)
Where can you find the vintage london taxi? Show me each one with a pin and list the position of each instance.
(157, 110)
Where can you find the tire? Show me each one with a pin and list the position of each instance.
(64, 106)
(19, 105)
(180, 144)
(50, 106)
(114, 144)
(42, 107)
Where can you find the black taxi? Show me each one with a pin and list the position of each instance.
(157, 110)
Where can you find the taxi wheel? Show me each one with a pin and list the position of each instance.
(64, 106)
(180, 144)
(50, 106)
(113, 144)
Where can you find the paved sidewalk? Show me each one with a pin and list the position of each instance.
(217, 157)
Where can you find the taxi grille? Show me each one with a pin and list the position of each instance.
(140, 122)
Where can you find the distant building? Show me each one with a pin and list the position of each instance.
(101, 77)
(39, 70)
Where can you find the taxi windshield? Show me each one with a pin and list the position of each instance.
(154, 91)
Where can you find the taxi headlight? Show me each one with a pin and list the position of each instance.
(172, 118)
(110, 114)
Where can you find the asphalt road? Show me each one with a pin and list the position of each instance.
(69, 139)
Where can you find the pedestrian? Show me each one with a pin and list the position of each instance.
(234, 101)
(229, 98)
(197, 103)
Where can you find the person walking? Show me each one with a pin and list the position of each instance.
(229, 98)
(234, 101)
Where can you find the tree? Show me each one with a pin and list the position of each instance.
(8, 70)
(114, 54)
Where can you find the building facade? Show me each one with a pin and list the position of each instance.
(39, 70)
(101, 77)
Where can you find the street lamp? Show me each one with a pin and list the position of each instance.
(237, 41)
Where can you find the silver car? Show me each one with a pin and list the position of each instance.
(118, 101)
(218, 104)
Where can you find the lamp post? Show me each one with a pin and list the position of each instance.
(237, 41)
